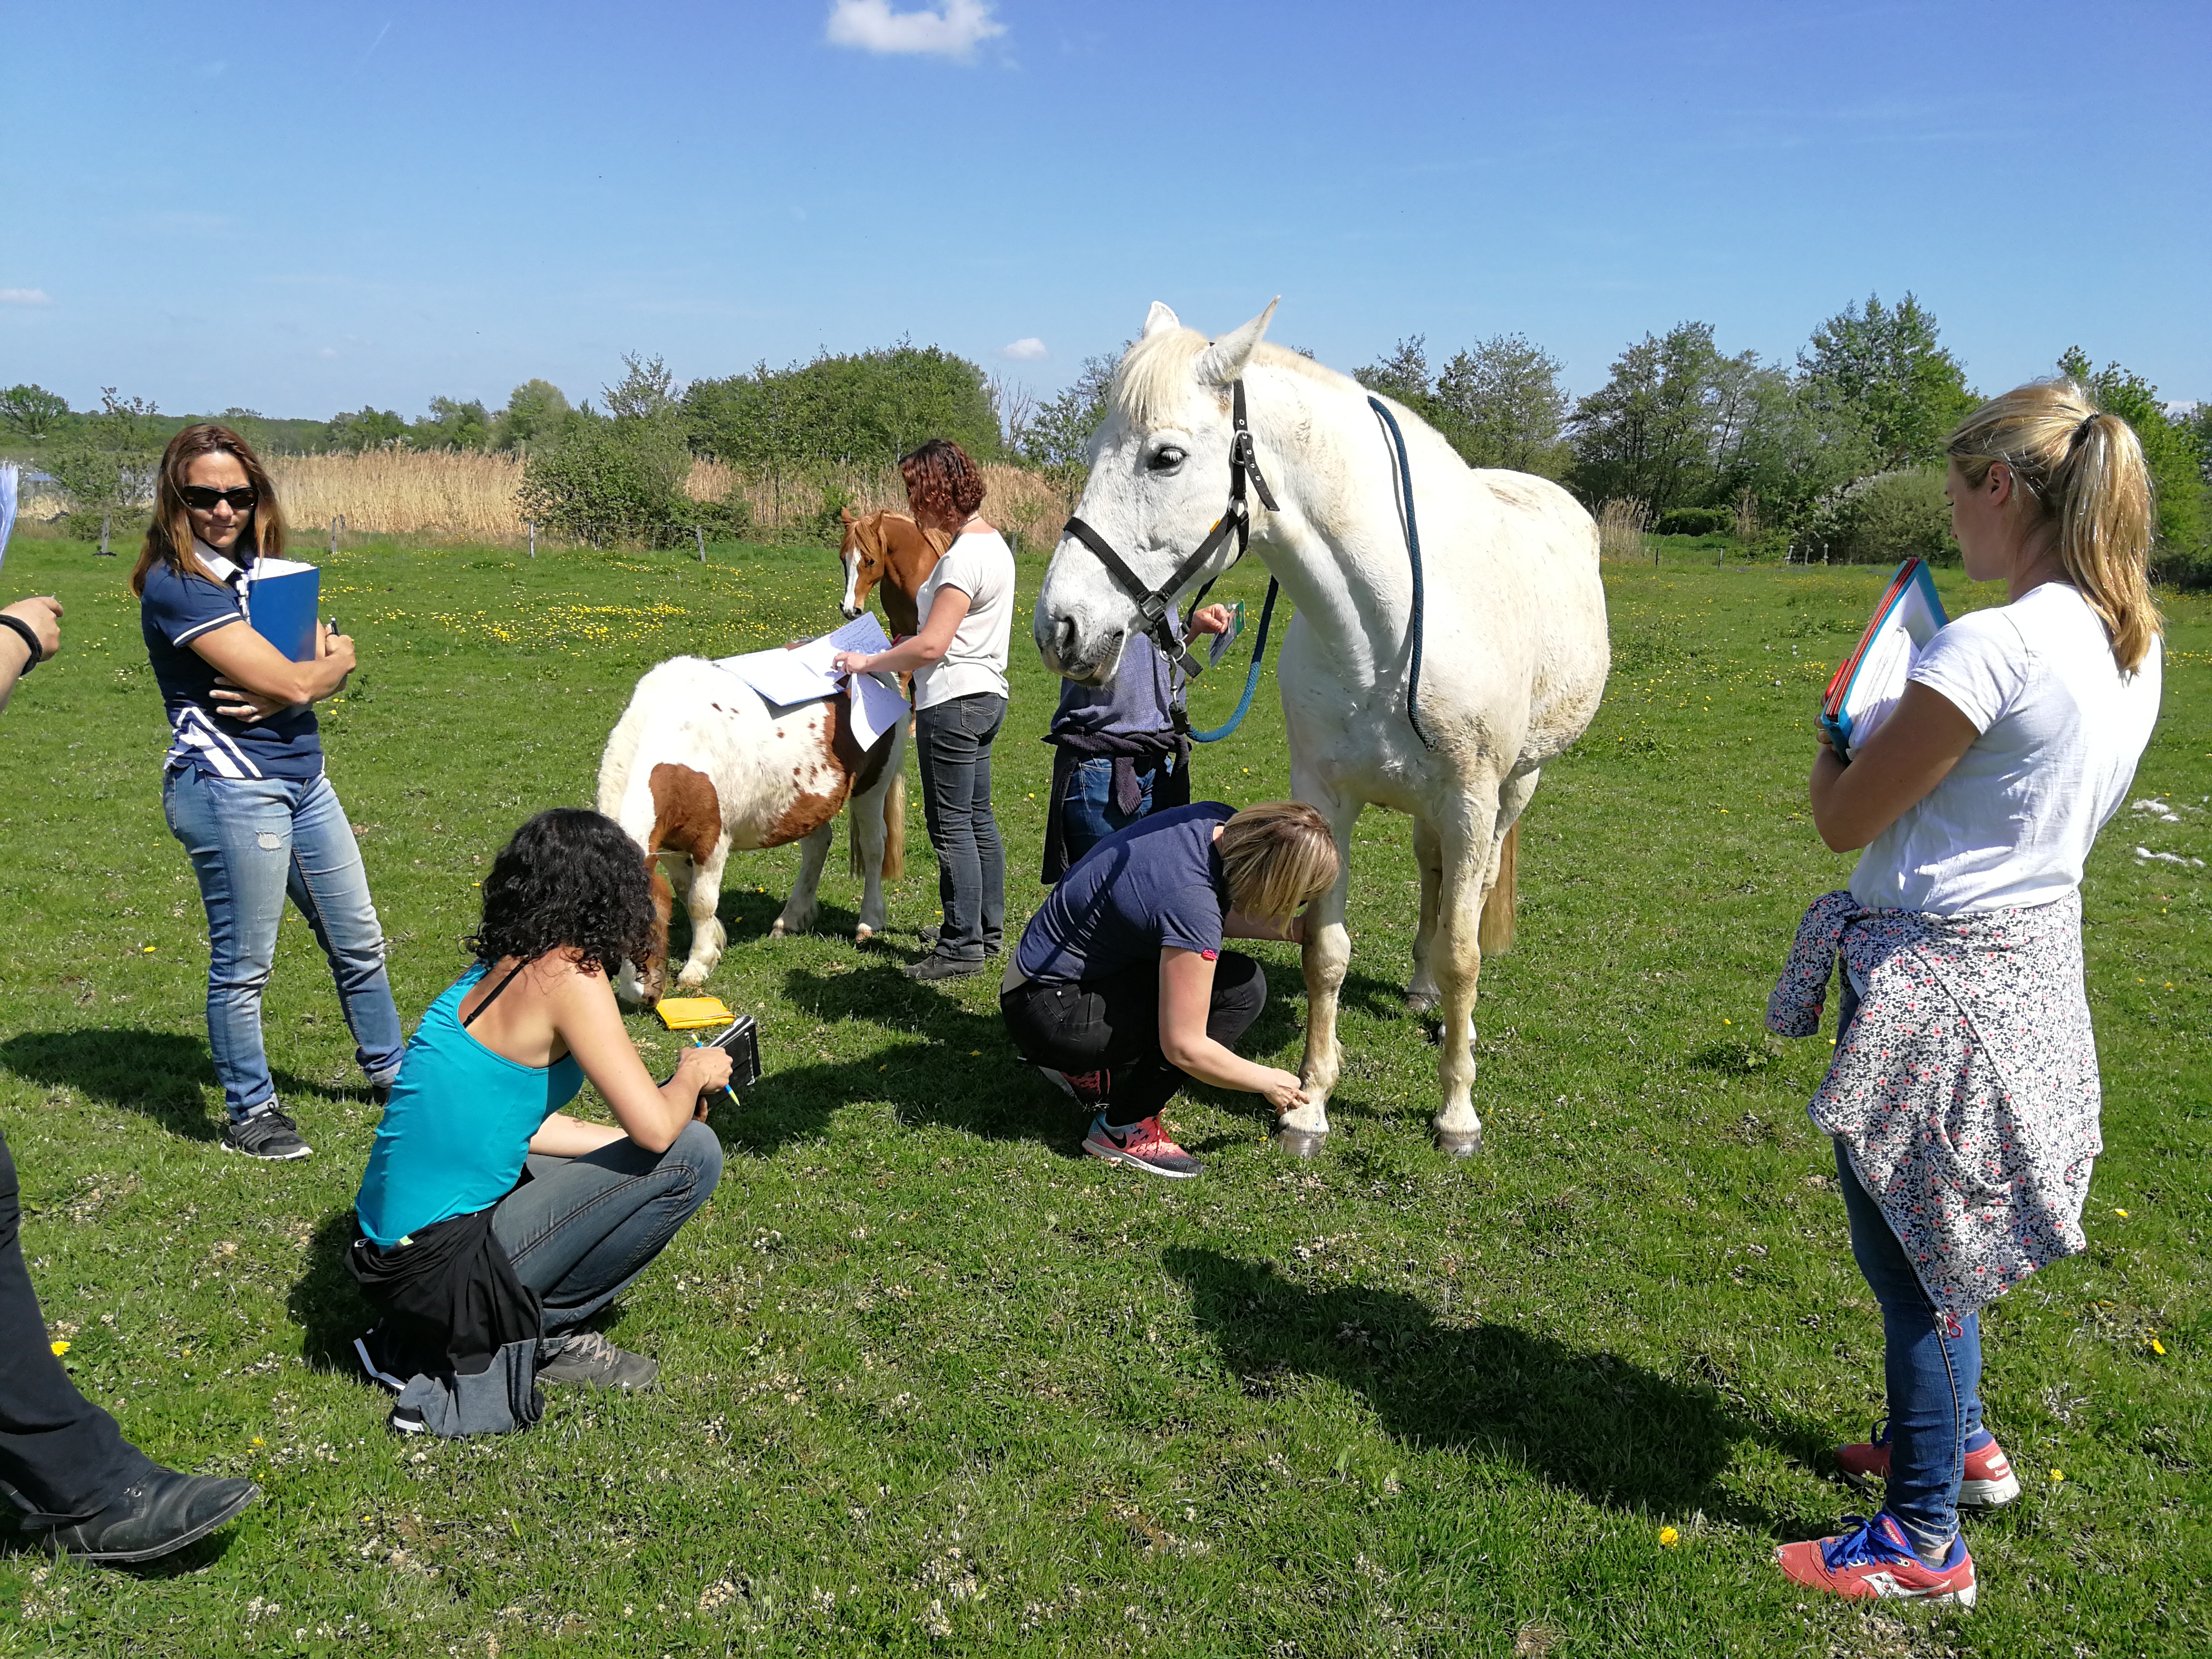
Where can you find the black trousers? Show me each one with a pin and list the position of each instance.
(1111, 1028)
(62, 1458)
(954, 740)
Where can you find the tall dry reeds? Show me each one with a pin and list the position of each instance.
(1621, 527)
(462, 495)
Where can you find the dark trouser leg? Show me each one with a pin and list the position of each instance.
(953, 740)
(61, 1457)
(581, 1229)
(1114, 1024)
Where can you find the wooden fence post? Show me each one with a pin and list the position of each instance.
(334, 535)
(105, 519)
(534, 538)
(701, 537)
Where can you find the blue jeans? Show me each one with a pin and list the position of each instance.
(254, 842)
(953, 739)
(1087, 812)
(581, 1229)
(1931, 1364)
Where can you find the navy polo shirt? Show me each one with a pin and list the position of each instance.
(175, 610)
(1157, 884)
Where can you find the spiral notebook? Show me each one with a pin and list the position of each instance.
(1866, 688)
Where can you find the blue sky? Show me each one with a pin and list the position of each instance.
(304, 208)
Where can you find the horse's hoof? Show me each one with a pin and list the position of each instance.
(1302, 1143)
(1421, 1002)
(1453, 1144)
(863, 934)
(776, 929)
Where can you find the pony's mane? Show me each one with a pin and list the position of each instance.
(1153, 383)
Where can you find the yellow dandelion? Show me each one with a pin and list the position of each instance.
(975, 1053)
(2157, 1346)
(2057, 1475)
(1669, 1538)
(258, 1440)
(1728, 1021)
(146, 950)
(2122, 1214)
(60, 1348)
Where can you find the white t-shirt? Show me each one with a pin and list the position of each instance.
(2062, 729)
(981, 566)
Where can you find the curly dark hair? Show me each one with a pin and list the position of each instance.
(942, 484)
(570, 880)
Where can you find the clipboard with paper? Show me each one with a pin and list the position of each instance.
(1867, 685)
(803, 674)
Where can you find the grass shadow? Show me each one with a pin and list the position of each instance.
(324, 1302)
(159, 1074)
(1618, 1433)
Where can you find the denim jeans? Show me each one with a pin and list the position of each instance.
(581, 1229)
(254, 842)
(954, 739)
(1931, 1364)
(1087, 812)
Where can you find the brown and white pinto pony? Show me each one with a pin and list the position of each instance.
(701, 766)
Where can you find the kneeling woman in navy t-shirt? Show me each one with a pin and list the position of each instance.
(1120, 989)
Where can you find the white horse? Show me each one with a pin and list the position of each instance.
(1514, 632)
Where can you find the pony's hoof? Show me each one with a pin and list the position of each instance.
(777, 930)
(863, 934)
(1302, 1143)
(1421, 1002)
(1454, 1143)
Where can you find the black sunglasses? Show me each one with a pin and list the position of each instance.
(199, 495)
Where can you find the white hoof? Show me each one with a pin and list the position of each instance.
(1459, 1143)
(1302, 1143)
(692, 978)
(778, 930)
(863, 934)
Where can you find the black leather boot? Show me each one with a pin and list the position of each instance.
(165, 1511)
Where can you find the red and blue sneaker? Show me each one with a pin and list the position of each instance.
(1141, 1145)
(1873, 1562)
(1988, 1482)
(1090, 1088)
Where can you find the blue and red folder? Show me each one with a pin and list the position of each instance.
(1867, 686)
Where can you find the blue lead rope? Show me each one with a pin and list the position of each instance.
(1251, 674)
(1413, 554)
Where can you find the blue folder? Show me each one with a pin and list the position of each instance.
(282, 600)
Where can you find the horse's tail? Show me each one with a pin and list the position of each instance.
(1494, 933)
(894, 833)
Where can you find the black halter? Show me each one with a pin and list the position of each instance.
(1153, 604)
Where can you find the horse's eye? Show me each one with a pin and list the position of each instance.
(1166, 459)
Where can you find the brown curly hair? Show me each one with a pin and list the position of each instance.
(943, 485)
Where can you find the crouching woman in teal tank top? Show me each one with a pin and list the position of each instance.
(485, 1207)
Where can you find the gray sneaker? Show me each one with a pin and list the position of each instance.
(588, 1357)
(268, 1133)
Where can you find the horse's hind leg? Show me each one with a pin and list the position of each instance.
(703, 901)
(799, 909)
(1421, 994)
(1327, 954)
(1472, 848)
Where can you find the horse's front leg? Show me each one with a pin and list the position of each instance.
(1326, 955)
(799, 909)
(703, 902)
(871, 832)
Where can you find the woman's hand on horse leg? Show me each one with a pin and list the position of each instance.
(1284, 1090)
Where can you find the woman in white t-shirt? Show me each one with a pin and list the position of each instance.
(958, 659)
(1964, 1094)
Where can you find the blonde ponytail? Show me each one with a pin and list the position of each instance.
(2083, 472)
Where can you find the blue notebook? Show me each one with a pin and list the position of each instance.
(282, 599)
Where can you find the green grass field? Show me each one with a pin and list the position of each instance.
(936, 1384)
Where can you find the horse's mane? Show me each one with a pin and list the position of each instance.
(1154, 381)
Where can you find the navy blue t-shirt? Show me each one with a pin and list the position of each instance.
(176, 610)
(1156, 883)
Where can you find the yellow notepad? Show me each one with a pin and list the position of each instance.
(690, 1013)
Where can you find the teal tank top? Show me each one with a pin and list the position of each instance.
(458, 1125)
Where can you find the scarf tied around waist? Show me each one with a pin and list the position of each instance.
(1966, 1091)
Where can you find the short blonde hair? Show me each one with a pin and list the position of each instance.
(2081, 471)
(1278, 855)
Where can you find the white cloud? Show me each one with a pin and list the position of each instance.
(950, 32)
(327, 352)
(1027, 350)
(25, 296)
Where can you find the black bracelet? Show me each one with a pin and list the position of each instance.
(30, 640)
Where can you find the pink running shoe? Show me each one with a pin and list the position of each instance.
(1873, 1562)
(1989, 1481)
(1142, 1145)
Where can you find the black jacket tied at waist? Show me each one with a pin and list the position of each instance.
(1071, 749)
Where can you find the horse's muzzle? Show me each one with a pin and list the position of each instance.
(852, 612)
(1065, 654)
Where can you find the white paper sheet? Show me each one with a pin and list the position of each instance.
(803, 674)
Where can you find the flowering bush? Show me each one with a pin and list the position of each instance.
(1879, 520)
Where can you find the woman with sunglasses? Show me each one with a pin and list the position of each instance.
(242, 786)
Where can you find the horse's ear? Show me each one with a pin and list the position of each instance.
(1225, 359)
(1159, 317)
(846, 512)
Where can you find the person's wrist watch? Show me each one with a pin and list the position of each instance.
(17, 625)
